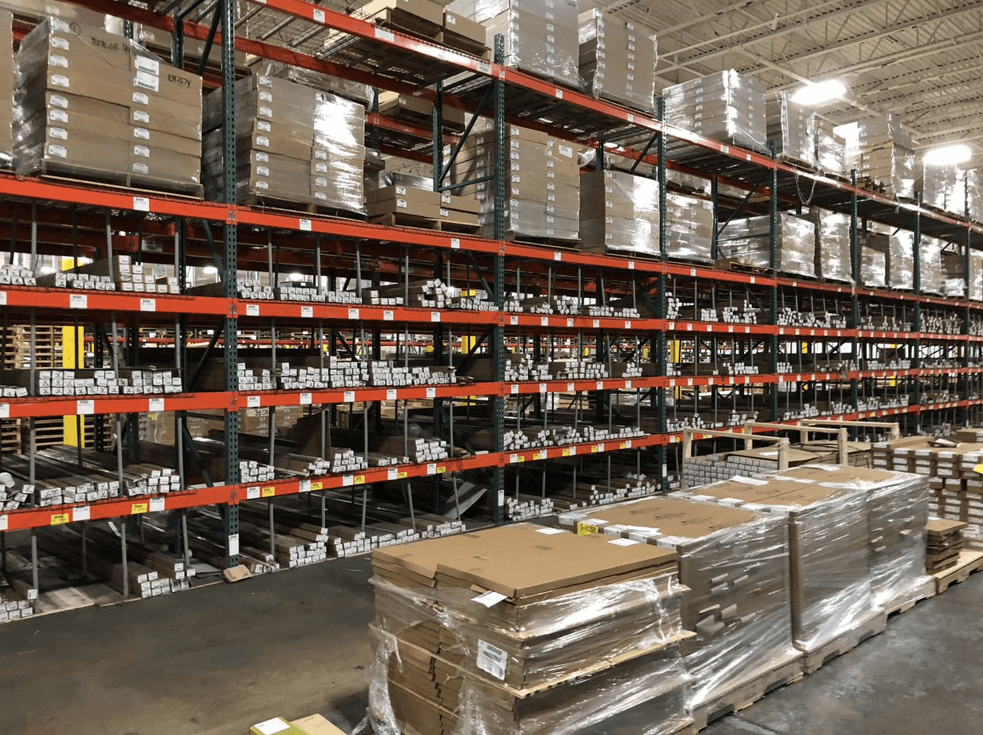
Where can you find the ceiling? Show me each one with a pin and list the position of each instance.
(919, 59)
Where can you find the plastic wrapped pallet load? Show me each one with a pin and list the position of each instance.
(887, 155)
(793, 128)
(542, 183)
(6, 89)
(619, 212)
(930, 261)
(829, 563)
(832, 249)
(526, 630)
(541, 36)
(90, 104)
(943, 187)
(746, 241)
(830, 148)
(295, 144)
(873, 264)
(734, 565)
(954, 274)
(617, 60)
(726, 106)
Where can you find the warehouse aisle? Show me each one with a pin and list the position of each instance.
(219, 659)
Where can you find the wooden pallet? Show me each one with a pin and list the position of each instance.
(520, 239)
(289, 206)
(619, 252)
(969, 562)
(844, 643)
(131, 183)
(463, 43)
(924, 592)
(748, 692)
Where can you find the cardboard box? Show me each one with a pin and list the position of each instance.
(463, 26)
(405, 13)
(316, 725)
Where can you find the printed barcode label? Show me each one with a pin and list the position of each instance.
(492, 660)
(78, 301)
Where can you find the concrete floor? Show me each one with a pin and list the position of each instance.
(222, 658)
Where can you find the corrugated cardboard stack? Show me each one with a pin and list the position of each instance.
(6, 89)
(897, 508)
(524, 629)
(829, 535)
(90, 104)
(690, 230)
(726, 106)
(832, 250)
(747, 241)
(542, 185)
(619, 212)
(294, 144)
(734, 564)
(540, 35)
(793, 128)
(617, 60)
(887, 155)
(943, 544)
(830, 148)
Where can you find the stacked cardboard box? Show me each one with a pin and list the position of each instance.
(541, 36)
(734, 564)
(901, 260)
(524, 629)
(418, 110)
(747, 241)
(619, 212)
(617, 60)
(95, 105)
(830, 148)
(6, 89)
(832, 250)
(829, 536)
(725, 106)
(943, 543)
(887, 155)
(294, 144)
(793, 128)
(542, 185)
(690, 231)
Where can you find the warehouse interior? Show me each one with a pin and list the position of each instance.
(541, 367)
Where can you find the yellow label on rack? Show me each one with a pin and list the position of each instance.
(441, 470)
(521, 458)
(537, 455)
(622, 445)
(138, 508)
(359, 479)
(595, 449)
(401, 476)
(566, 452)
(58, 518)
(585, 530)
(317, 485)
(268, 492)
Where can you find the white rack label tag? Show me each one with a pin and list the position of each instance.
(514, 389)
(349, 396)
(78, 301)
(141, 204)
(544, 321)
(3, 298)
(318, 15)
(348, 480)
(82, 513)
(435, 316)
(306, 399)
(4, 410)
(432, 469)
(542, 387)
(305, 486)
(148, 304)
(455, 243)
(252, 493)
(253, 401)
(392, 473)
(252, 309)
(307, 312)
(85, 407)
(305, 224)
(383, 35)
(156, 404)
(354, 313)
(234, 545)
(3, 523)
(157, 504)
(387, 316)
(391, 394)
(513, 321)
(431, 392)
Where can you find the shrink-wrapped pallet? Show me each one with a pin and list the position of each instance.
(617, 60)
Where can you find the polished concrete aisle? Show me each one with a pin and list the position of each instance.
(219, 659)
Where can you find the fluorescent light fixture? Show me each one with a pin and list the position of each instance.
(819, 93)
(948, 155)
(295, 277)
(210, 270)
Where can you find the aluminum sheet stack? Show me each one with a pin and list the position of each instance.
(91, 104)
(829, 536)
(793, 128)
(294, 144)
(617, 60)
(542, 185)
(726, 106)
(887, 155)
(734, 564)
(747, 242)
(528, 631)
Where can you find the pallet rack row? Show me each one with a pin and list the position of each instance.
(941, 380)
